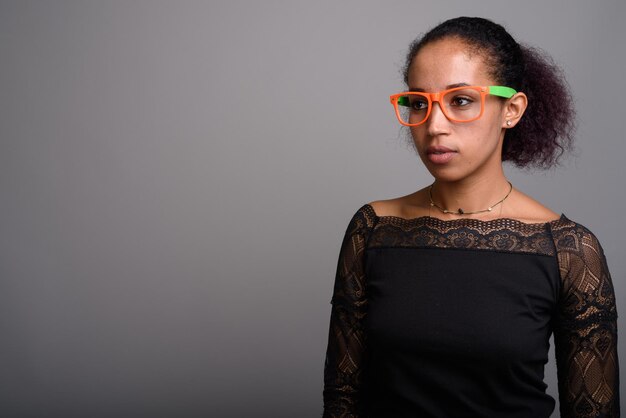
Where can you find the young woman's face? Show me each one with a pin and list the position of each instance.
(475, 147)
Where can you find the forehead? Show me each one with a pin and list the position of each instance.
(446, 62)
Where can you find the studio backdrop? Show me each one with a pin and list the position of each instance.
(176, 178)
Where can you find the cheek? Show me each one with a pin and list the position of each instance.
(485, 133)
(420, 142)
(418, 133)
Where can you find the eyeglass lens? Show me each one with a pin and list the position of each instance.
(459, 105)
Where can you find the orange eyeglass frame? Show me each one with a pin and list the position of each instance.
(500, 91)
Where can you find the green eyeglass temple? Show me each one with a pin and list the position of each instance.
(501, 91)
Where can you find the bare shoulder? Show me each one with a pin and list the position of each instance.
(527, 209)
(518, 206)
(407, 206)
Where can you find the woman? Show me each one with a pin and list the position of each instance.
(445, 299)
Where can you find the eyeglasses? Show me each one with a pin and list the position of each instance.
(460, 104)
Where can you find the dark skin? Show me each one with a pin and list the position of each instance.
(417, 204)
(473, 179)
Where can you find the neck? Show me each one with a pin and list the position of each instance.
(470, 195)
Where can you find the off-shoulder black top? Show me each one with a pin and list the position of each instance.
(452, 318)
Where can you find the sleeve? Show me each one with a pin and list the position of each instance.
(585, 336)
(345, 353)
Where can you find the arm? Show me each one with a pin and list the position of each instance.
(585, 336)
(343, 367)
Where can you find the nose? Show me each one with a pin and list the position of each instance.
(437, 122)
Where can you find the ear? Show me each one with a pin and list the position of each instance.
(513, 110)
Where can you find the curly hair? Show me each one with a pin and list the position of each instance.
(547, 128)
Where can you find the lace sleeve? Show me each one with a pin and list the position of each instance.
(585, 335)
(345, 353)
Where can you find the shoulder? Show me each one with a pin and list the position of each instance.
(366, 216)
(527, 209)
(387, 207)
(582, 262)
(411, 205)
(574, 237)
(519, 206)
(362, 219)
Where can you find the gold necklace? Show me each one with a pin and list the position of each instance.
(461, 211)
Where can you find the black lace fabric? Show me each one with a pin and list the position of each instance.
(344, 364)
(585, 333)
(585, 321)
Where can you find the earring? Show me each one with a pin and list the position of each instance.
(508, 123)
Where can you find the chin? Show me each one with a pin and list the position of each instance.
(445, 174)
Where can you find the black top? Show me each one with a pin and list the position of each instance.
(452, 318)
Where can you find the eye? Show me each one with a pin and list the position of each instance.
(418, 104)
(461, 101)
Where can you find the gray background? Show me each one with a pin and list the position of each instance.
(176, 179)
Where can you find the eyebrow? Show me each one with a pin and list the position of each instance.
(449, 86)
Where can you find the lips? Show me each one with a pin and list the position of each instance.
(438, 154)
